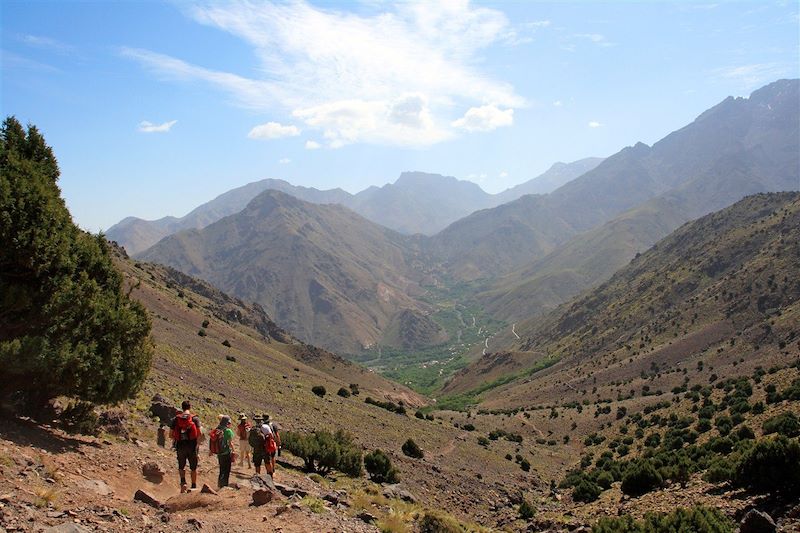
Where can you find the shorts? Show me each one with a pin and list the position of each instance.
(244, 447)
(187, 451)
(258, 459)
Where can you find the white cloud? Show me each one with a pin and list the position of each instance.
(312, 145)
(394, 77)
(485, 118)
(284, 161)
(594, 124)
(146, 126)
(273, 130)
(503, 174)
(558, 103)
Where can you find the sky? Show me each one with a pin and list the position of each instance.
(154, 108)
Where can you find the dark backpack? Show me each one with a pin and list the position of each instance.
(185, 428)
(255, 438)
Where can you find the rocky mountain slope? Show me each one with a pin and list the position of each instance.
(741, 146)
(716, 290)
(324, 273)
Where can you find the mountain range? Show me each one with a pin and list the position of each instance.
(417, 202)
(338, 280)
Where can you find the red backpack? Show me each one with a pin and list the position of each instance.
(215, 441)
(185, 428)
(243, 429)
(269, 443)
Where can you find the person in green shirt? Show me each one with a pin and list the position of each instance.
(225, 454)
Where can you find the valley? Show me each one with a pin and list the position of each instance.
(615, 338)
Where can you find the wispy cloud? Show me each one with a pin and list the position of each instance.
(596, 38)
(146, 126)
(284, 161)
(753, 75)
(503, 174)
(313, 145)
(39, 41)
(273, 130)
(397, 77)
(594, 124)
(485, 118)
(12, 60)
(558, 103)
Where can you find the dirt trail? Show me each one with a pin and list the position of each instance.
(48, 478)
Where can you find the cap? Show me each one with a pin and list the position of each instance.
(242, 416)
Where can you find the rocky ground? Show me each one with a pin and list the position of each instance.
(51, 481)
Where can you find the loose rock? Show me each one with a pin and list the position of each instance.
(153, 472)
(142, 496)
(756, 521)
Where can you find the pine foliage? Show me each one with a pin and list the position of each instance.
(68, 326)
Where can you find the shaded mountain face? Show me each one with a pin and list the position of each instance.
(322, 271)
(717, 289)
(739, 147)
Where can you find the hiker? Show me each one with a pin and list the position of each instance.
(272, 443)
(255, 438)
(185, 430)
(221, 443)
(243, 432)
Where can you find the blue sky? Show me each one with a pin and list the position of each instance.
(154, 108)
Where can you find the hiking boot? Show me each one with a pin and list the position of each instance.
(183, 488)
(194, 486)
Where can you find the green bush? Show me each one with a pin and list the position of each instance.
(525, 465)
(420, 415)
(434, 523)
(526, 510)
(640, 477)
(770, 465)
(319, 390)
(586, 491)
(695, 520)
(411, 449)
(68, 326)
(344, 393)
(785, 424)
(604, 479)
(380, 468)
(323, 451)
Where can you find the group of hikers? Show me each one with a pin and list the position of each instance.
(259, 439)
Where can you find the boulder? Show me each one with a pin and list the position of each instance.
(756, 521)
(369, 518)
(142, 496)
(394, 491)
(265, 482)
(153, 472)
(262, 496)
(162, 410)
